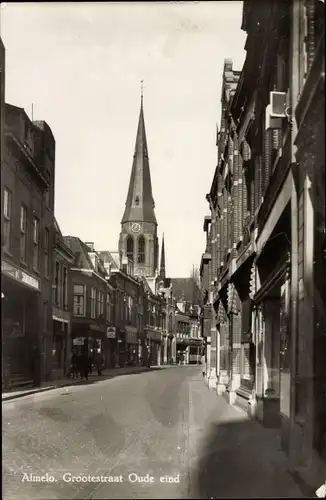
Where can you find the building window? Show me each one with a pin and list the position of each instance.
(7, 219)
(47, 198)
(23, 233)
(137, 201)
(57, 284)
(170, 323)
(141, 250)
(79, 300)
(46, 252)
(100, 304)
(130, 248)
(93, 302)
(36, 243)
(65, 288)
(108, 308)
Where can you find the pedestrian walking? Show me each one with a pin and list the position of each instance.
(74, 365)
(79, 365)
(90, 364)
(85, 365)
(203, 365)
(98, 361)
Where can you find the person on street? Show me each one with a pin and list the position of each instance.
(79, 365)
(98, 361)
(90, 364)
(74, 365)
(203, 364)
(83, 360)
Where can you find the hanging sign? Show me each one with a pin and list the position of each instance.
(110, 332)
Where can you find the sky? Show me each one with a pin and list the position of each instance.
(79, 67)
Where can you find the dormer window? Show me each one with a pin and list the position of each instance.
(137, 201)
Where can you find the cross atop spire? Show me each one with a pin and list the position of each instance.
(141, 92)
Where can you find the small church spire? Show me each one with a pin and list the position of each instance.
(162, 266)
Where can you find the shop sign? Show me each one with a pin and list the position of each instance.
(78, 341)
(131, 338)
(29, 280)
(19, 275)
(96, 328)
(152, 335)
(110, 332)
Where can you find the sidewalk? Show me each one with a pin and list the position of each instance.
(66, 382)
(233, 456)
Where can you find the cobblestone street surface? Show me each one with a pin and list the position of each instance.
(162, 424)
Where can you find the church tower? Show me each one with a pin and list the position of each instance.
(138, 236)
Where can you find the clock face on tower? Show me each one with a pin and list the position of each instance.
(135, 227)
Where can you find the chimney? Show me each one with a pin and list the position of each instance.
(90, 245)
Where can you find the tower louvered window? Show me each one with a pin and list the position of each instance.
(130, 248)
(141, 250)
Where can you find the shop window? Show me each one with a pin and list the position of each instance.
(141, 250)
(23, 233)
(272, 348)
(7, 212)
(247, 364)
(79, 300)
(36, 243)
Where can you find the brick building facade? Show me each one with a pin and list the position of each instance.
(27, 197)
(267, 231)
(62, 301)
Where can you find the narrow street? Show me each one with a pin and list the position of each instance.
(159, 424)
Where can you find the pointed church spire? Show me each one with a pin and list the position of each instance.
(162, 266)
(140, 202)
